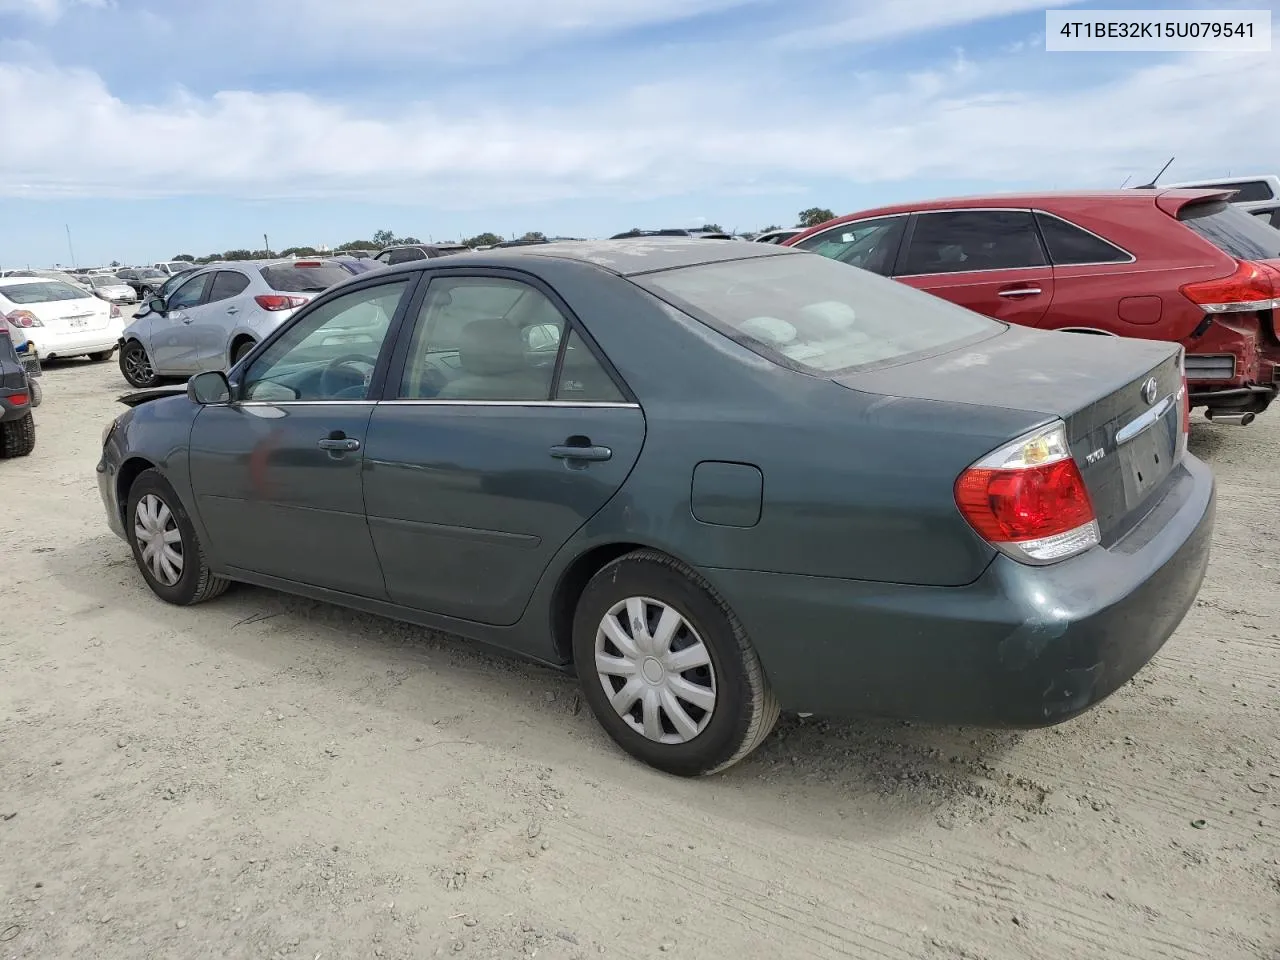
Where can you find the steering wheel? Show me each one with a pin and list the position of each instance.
(332, 384)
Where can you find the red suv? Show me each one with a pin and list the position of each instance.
(1160, 264)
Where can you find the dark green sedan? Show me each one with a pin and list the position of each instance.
(716, 480)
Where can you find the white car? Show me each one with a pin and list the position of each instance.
(171, 267)
(60, 320)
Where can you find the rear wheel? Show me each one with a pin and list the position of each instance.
(101, 355)
(667, 668)
(165, 545)
(36, 391)
(17, 437)
(136, 367)
(241, 351)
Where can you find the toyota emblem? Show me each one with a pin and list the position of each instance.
(1149, 390)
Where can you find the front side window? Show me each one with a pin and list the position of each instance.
(958, 241)
(330, 352)
(814, 314)
(189, 294)
(483, 338)
(869, 244)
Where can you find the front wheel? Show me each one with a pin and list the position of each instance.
(667, 669)
(165, 545)
(17, 437)
(136, 367)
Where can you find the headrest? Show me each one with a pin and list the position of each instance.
(491, 347)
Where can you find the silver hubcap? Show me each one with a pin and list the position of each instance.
(655, 670)
(159, 539)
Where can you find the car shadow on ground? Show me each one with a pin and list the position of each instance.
(891, 771)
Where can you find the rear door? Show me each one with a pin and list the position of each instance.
(990, 261)
(503, 432)
(1097, 287)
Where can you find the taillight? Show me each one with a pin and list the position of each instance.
(115, 312)
(18, 399)
(278, 301)
(1247, 290)
(1029, 500)
(23, 318)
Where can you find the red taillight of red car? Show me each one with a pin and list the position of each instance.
(1029, 500)
(1248, 289)
(278, 301)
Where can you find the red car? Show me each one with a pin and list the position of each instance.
(1159, 264)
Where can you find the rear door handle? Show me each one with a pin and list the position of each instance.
(339, 443)
(564, 451)
(1020, 292)
(233, 309)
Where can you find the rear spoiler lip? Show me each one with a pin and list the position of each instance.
(1173, 201)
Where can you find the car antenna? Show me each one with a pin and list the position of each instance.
(1126, 180)
(1152, 184)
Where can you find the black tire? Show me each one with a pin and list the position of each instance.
(36, 391)
(196, 582)
(241, 351)
(102, 355)
(135, 366)
(17, 437)
(745, 709)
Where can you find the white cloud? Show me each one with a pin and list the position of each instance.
(876, 20)
(46, 10)
(697, 133)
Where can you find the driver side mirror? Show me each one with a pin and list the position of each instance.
(209, 387)
(156, 306)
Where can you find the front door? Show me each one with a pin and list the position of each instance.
(173, 348)
(990, 261)
(480, 467)
(277, 473)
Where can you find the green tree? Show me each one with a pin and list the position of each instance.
(115, 264)
(383, 238)
(713, 228)
(357, 245)
(814, 216)
(184, 257)
(534, 235)
(300, 252)
(235, 255)
(772, 226)
(482, 240)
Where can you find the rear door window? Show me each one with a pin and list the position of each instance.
(1232, 231)
(227, 284)
(869, 244)
(1070, 245)
(958, 241)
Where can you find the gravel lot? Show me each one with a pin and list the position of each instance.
(269, 777)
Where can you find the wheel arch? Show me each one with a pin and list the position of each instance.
(128, 472)
(237, 341)
(1091, 330)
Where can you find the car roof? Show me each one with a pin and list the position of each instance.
(1043, 198)
(10, 280)
(624, 257)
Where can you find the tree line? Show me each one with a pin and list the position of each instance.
(387, 238)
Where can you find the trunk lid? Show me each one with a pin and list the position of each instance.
(87, 313)
(1125, 435)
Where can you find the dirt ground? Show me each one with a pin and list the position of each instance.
(267, 777)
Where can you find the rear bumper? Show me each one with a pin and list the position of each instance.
(1020, 647)
(1234, 363)
(13, 411)
(73, 343)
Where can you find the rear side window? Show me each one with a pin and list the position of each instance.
(813, 314)
(1232, 231)
(227, 285)
(958, 241)
(292, 278)
(1070, 245)
(405, 255)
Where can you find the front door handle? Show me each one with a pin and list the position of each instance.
(339, 443)
(1020, 292)
(565, 451)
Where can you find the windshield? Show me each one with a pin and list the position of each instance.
(47, 291)
(1232, 231)
(814, 314)
(294, 278)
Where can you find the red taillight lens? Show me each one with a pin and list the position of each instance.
(278, 301)
(115, 312)
(18, 399)
(1248, 289)
(1029, 499)
(23, 318)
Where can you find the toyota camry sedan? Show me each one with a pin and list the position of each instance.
(715, 480)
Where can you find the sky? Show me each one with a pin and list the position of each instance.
(143, 129)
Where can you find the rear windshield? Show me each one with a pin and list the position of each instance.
(292, 278)
(149, 274)
(46, 291)
(1232, 231)
(814, 314)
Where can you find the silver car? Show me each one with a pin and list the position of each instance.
(111, 288)
(218, 314)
